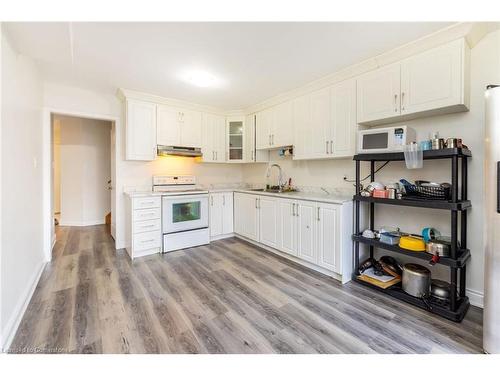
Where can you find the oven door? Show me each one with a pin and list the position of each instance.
(181, 213)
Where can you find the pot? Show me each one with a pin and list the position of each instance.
(416, 280)
(454, 143)
(437, 143)
(440, 290)
(438, 247)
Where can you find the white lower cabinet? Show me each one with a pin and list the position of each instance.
(144, 226)
(306, 231)
(268, 220)
(221, 214)
(246, 215)
(314, 232)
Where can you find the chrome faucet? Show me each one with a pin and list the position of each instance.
(280, 176)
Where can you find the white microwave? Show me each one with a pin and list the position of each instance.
(385, 139)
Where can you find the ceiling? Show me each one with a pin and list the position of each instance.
(253, 61)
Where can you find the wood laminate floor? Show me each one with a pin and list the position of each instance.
(226, 297)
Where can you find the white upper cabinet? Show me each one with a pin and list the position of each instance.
(430, 83)
(250, 153)
(274, 126)
(168, 126)
(263, 126)
(140, 130)
(378, 94)
(342, 131)
(434, 79)
(214, 138)
(320, 125)
(282, 125)
(178, 127)
(190, 129)
(235, 139)
(302, 127)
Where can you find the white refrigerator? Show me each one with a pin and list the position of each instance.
(491, 317)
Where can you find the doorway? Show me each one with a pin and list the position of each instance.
(82, 168)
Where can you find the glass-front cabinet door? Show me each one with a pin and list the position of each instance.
(235, 134)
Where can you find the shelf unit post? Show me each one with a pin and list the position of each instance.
(372, 205)
(357, 228)
(463, 226)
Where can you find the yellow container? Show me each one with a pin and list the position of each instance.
(412, 243)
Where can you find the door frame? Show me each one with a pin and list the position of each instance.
(47, 182)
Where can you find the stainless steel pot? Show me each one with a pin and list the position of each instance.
(440, 289)
(438, 247)
(416, 280)
(437, 143)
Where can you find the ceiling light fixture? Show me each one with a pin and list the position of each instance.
(201, 78)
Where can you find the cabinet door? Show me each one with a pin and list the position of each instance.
(246, 215)
(268, 221)
(227, 213)
(288, 226)
(191, 129)
(301, 125)
(140, 130)
(216, 214)
(263, 123)
(433, 79)
(306, 225)
(282, 125)
(208, 129)
(168, 126)
(219, 139)
(328, 232)
(235, 139)
(342, 132)
(378, 94)
(249, 139)
(320, 124)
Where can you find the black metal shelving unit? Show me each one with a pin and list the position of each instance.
(458, 205)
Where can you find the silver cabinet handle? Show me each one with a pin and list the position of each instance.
(223, 200)
(256, 206)
(403, 101)
(293, 209)
(272, 139)
(331, 147)
(297, 209)
(327, 147)
(211, 200)
(269, 139)
(216, 155)
(395, 102)
(318, 213)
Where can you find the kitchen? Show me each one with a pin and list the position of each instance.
(272, 199)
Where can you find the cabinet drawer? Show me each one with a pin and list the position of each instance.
(149, 202)
(150, 214)
(147, 240)
(147, 226)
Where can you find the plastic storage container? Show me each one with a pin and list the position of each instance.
(414, 156)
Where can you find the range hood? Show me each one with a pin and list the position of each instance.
(178, 151)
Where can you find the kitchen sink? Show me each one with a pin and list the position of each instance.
(273, 191)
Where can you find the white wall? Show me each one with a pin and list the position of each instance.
(485, 69)
(85, 169)
(56, 158)
(130, 174)
(21, 195)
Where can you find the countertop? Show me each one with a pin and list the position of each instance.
(337, 198)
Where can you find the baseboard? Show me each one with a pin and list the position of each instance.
(15, 320)
(222, 236)
(81, 223)
(475, 298)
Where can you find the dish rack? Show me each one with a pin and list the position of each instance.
(419, 191)
(456, 203)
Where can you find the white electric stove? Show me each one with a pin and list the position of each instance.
(184, 212)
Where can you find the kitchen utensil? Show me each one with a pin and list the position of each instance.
(440, 290)
(426, 190)
(437, 143)
(430, 234)
(368, 233)
(391, 238)
(426, 145)
(412, 242)
(391, 265)
(453, 143)
(414, 156)
(438, 249)
(378, 193)
(375, 185)
(416, 280)
(368, 263)
(391, 193)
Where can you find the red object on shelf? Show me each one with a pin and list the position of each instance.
(379, 193)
